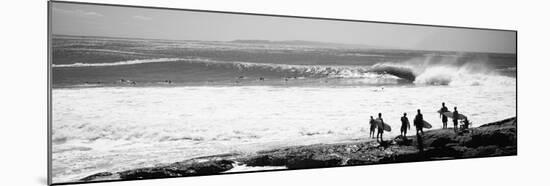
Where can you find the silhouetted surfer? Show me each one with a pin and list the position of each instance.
(404, 125)
(442, 116)
(380, 128)
(372, 127)
(261, 78)
(419, 122)
(465, 124)
(455, 119)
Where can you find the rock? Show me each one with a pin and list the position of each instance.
(96, 176)
(354, 161)
(211, 167)
(504, 137)
(313, 161)
(441, 142)
(178, 169)
(265, 160)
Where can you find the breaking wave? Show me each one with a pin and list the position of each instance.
(315, 71)
(465, 75)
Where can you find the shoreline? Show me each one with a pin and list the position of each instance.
(488, 140)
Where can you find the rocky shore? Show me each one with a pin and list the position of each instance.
(489, 140)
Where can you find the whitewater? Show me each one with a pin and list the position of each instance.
(117, 128)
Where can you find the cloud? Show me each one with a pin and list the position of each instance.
(142, 18)
(77, 12)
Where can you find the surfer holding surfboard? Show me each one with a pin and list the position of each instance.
(419, 122)
(444, 114)
(380, 127)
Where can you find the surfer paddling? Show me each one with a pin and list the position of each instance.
(442, 116)
(372, 127)
(380, 128)
(405, 125)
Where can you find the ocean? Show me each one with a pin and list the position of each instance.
(122, 103)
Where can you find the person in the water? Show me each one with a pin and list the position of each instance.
(372, 127)
(405, 125)
(419, 122)
(442, 116)
(380, 128)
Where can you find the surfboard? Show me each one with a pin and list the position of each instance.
(386, 126)
(427, 125)
(450, 115)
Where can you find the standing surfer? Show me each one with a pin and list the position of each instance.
(372, 127)
(380, 128)
(405, 125)
(442, 116)
(419, 122)
(455, 119)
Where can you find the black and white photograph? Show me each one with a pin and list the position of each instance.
(143, 93)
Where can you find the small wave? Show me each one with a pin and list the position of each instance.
(72, 149)
(362, 55)
(130, 62)
(103, 50)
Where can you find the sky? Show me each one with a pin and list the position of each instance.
(113, 21)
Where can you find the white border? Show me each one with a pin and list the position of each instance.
(23, 98)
